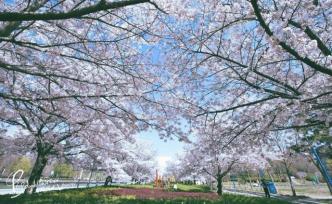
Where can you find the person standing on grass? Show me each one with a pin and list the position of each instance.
(265, 188)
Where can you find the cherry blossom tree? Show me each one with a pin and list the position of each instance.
(72, 76)
(218, 148)
(116, 156)
(174, 169)
(217, 167)
(49, 136)
(140, 162)
(252, 67)
(282, 143)
(265, 60)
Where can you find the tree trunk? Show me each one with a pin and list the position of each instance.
(79, 179)
(219, 185)
(250, 180)
(290, 179)
(36, 172)
(90, 178)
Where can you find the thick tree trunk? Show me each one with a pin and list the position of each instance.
(290, 180)
(36, 172)
(219, 185)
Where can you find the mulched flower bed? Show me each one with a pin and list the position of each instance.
(145, 193)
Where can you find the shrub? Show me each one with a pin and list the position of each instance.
(63, 171)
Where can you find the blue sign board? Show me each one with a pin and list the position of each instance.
(271, 187)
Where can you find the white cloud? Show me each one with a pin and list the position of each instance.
(162, 163)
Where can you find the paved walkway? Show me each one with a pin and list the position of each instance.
(297, 199)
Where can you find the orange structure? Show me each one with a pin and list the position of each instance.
(158, 182)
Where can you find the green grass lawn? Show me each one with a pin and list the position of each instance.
(91, 196)
(133, 186)
(193, 188)
(180, 187)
